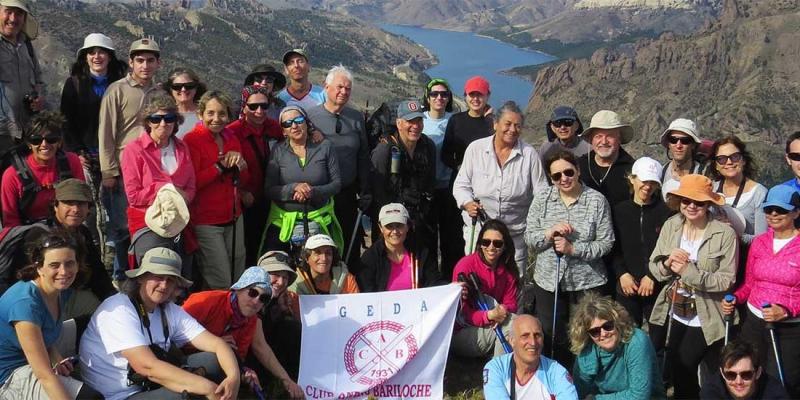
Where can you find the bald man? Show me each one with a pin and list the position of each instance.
(536, 376)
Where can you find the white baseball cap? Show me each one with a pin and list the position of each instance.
(320, 240)
(393, 213)
(647, 170)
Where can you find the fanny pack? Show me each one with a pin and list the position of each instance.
(683, 304)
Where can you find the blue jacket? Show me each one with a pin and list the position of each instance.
(553, 376)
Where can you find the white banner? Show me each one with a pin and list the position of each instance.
(389, 345)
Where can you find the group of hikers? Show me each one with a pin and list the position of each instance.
(222, 213)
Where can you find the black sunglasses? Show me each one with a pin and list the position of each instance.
(685, 140)
(793, 156)
(37, 139)
(256, 106)
(439, 93)
(562, 122)
(556, 176)
(775, 209)
(263, 298)
(156, 119)
(735, 158)
(746, 375)
(188, 86)
(608, 326)
(263, 77)
(498, 244)
(297, 120)
(696, 203)
(338, 123)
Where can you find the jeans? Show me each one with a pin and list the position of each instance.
(115, 201)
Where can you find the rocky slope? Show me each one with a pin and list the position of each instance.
(738, 76)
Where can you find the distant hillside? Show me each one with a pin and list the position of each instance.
(223, 39)
(739, 76)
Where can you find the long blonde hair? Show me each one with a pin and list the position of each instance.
(592, 306)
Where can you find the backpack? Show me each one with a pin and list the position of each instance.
(30, 187)
(381, 124)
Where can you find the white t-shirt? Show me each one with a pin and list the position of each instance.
(314, 97)
(534, 389)
(114, 327)
(168, 160)
(778, 244)
(691, 247)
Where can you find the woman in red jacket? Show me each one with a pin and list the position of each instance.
(219, 168)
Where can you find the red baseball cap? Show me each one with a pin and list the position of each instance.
(477, 84)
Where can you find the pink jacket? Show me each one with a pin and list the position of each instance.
(499, 283)
(143, 176)
(772, 278)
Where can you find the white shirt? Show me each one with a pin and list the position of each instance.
(169, 163)
(314, 97)
(115, 326)
(505, 193)
(532, 390)
(691, 247)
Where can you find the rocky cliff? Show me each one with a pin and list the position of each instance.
(738, 76)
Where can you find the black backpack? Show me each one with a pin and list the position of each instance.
(30, 187)
(381, 124)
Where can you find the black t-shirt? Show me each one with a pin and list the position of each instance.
(462, 129)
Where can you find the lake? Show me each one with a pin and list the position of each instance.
(462, 55)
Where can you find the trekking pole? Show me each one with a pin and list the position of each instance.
(473, 285)
(728, 317)
(674, 285)
(353, 236)
(771, 328)
(235, 180)
(472, 230)
(559, 255)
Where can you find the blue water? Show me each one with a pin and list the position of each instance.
(462, 55)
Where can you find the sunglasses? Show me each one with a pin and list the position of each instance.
(684, 140)
(439, 93)
(57, 243)
(156, 119)
(696, 203)
(775, 209)
(188, 86)
(563, 122)
(263, 298)
(338, 127)
(498, 244)
(256, 106)
(299, 120)
(556, 176)
(263, 77)
(50, 139)
(608, 326)
(745, 375)
(280, 257)
(735, 158)
(793, 156)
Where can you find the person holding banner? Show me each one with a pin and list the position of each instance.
(323, 271)
(497, 274)
(233, 316)
(388, 264)
(534, 376)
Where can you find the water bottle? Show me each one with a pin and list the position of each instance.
(395, 168)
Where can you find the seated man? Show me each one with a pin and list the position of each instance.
(535, 376)
(125, 356)
(740, 376)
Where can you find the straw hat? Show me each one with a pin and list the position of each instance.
(698, 188)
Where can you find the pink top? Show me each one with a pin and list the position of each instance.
(47, 176)
(772, 278)
(143, 175)
(498, 283)
(400, 275)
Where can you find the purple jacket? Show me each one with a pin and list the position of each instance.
(772, 278)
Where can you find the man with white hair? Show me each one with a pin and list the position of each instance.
(299, 91)
(344, 127)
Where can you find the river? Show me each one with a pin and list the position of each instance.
(463, 54)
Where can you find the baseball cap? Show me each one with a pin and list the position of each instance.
(783, 196)
(477, 84)
(73, 190)
(393, 213)
(647, 170)
(409, 109)
(160, 261)
(145, 44)
(254, 276)
(564, 112)
(319, 240)
(291, 52)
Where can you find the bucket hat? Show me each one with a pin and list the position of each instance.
(254, 276)
(96, 40)
(697, 187)
(279, 81)
(682, 125)
(168, 214)
(277, 261)
(606, 119)
(160, 261)
(31, 26)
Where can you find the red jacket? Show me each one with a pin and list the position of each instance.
(213, 310)
(143, 176)
(257, 166)
(214, 202)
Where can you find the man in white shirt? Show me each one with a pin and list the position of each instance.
(300, 91)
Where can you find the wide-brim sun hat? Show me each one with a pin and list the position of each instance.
(31, 26)
(96, 40)
(698, 188)
(606, 119)
(277, 261)
(278, 80)
(168, 214)
(682, 125)
(160, 261)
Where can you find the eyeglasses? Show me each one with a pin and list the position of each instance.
(188, 86)
(793, 156)
(262, 297)
(685, 140)
(696, 203)
(37, 139)
(562, 122)
(297, 120)
(608, 326)
(439, 93)
(256, 106)
(556, 176)
(775, 209)
(735, 158)
(263, 77)
(338, 123)
(156, 119)
(745, 375)
(498, 244)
